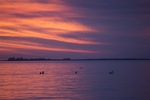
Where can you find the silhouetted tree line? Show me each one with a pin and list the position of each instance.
(26, 59)
(69, 59)
(34, 59)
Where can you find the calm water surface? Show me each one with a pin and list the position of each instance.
(22, 81)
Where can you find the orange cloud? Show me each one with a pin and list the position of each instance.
(20, 17)
(27, 33)
(35, 46)
(26, 6)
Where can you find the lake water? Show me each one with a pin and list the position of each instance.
(22, 81)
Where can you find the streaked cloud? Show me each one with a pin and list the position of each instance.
(95, 28)
(42, 20)
(35, 46)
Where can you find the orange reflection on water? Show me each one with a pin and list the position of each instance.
(21, 80)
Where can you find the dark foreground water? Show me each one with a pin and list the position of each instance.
(22, 81)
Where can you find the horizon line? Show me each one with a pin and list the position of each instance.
(68, 59)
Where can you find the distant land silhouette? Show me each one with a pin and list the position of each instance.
(69, 59)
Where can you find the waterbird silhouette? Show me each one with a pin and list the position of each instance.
(42, 72)
(112, 72)
(76, 72)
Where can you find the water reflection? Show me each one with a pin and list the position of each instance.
(21, 80)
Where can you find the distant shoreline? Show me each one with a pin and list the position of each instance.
(69, 59)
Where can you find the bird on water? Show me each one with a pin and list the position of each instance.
(42, 72)
(76, 72)
(112, 72)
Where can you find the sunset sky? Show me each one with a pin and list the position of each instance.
(75, 28)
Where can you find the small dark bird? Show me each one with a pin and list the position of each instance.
(76, 72)
(42, 72)
(112, 72)
(80, 67)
